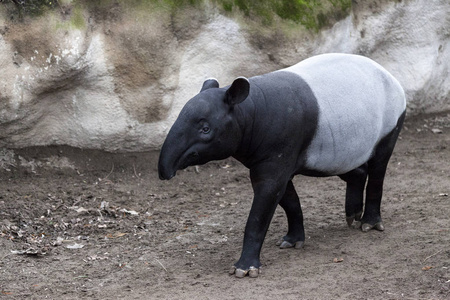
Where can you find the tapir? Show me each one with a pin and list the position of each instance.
(331, 114)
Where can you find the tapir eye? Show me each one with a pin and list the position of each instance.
(206, 129)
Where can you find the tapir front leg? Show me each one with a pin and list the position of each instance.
(296, 232)
(268, 191)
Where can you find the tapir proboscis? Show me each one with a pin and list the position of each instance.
(331, 114)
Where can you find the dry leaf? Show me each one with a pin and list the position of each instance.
(130, 212)
(29, 251)
(75, 246)
(115, 235)
(82, 210)
(426, 268)
(6, 293)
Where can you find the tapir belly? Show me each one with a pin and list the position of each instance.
(359, 104)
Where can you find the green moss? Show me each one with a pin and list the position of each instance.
(77, 20)
(227, 6)
(313, 14)
(310, 14)
(299, 11)
(345, 5)
(141, 4)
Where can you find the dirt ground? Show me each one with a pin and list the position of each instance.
(92, 225)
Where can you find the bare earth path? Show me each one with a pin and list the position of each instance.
(86, 224)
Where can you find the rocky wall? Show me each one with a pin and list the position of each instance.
(118, 81)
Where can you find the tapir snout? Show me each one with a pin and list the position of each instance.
(167, 166)
(175, 156)
(165, 174)
(164, 171)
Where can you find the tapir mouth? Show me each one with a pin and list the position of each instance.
(167, 173)
(189, 160)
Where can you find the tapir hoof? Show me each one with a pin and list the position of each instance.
(252, 272)
(285, 244)
(356, 217)
(378, 226)
(350, 220)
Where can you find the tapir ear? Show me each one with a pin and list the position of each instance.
(238, 91)
(209, 83)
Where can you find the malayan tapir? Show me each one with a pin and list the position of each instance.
(331, 114)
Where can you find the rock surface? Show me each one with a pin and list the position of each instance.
(118, 82)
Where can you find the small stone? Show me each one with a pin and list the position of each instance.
(436, 130)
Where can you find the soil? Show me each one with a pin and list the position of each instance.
(94, 225)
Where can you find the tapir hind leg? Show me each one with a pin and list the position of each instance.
(376, 170)
(354, 196)
(296, 232)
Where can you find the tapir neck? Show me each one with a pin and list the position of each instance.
(271, 121)
(248, 117)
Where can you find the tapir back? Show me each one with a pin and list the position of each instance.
(359, 104)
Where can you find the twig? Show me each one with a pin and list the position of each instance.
(62, 10)
(2, 258)
(112, 169)
(100, 213)
(161, 265)
(432, 255)
(134, 168)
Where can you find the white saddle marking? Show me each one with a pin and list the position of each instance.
(359, 103)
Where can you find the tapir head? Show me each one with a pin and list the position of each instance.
(206, 128)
